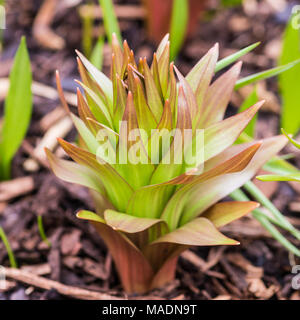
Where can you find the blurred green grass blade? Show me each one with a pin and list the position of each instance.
(264, 220)
(234, 57)
(231, 3)
(294, 142)
(97, 53)
(259, 196)
(10, 253)
(87, 34)
(110, 21)
(274, 177)
(265, 74)
(289, 80)
(42, 230)
(179, 21)
(18, 109)
(258, 215)
(280, 166)
(251, 100)
(2, 16)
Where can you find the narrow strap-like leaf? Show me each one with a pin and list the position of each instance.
(234, 57)
(117, 188)
(201, 75)
(199, 232)
(225, 212)
(218, 96)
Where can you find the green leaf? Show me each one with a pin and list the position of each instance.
(234, 57)
(90, 216)
(130, 224)
(75, 173)
(273, 177)
(102, 106)
(171, 164)
(153, 96)
(222, 135)
(18, 109)
(201, 75)
(199, 232)
(200, 199)
(250, 101)
(102, 80)
(179, 22)
(225, 212)
(110, 20)
(218, 96)
(163, 69)
(118, 190)
(162, 45)
(294, 142)
(175, 207)
(88, 138)
(265, 74)
(42, 230)
(134, 165)
(97, 53)
(279, 166)
(189, 95)
(145, 117)
(288, 81)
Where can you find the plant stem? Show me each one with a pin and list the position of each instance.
(10, 253)
(42, 230)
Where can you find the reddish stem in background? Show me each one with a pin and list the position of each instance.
(159, 15)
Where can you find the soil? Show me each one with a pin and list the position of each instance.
(260, 268)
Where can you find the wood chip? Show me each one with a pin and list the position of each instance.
(239, 260)
(204, 266)
(41, 27)
(51, 118)
(224, 297)
(40, 90)
(7, 285)
(246, 227)
(95, 269)
(72, 262)
(295, 206)
(128, 12)
(49, 140)
(70, 243)
(238, 24)
(271, 101)
(15, 188)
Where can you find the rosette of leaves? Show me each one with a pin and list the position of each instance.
(148, 213)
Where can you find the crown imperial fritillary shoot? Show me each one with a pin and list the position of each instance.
(157, 155)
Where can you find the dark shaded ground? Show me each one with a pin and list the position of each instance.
(258, 269)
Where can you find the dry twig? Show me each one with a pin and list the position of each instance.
(46, 284)
(41, 27)
(15, 188)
